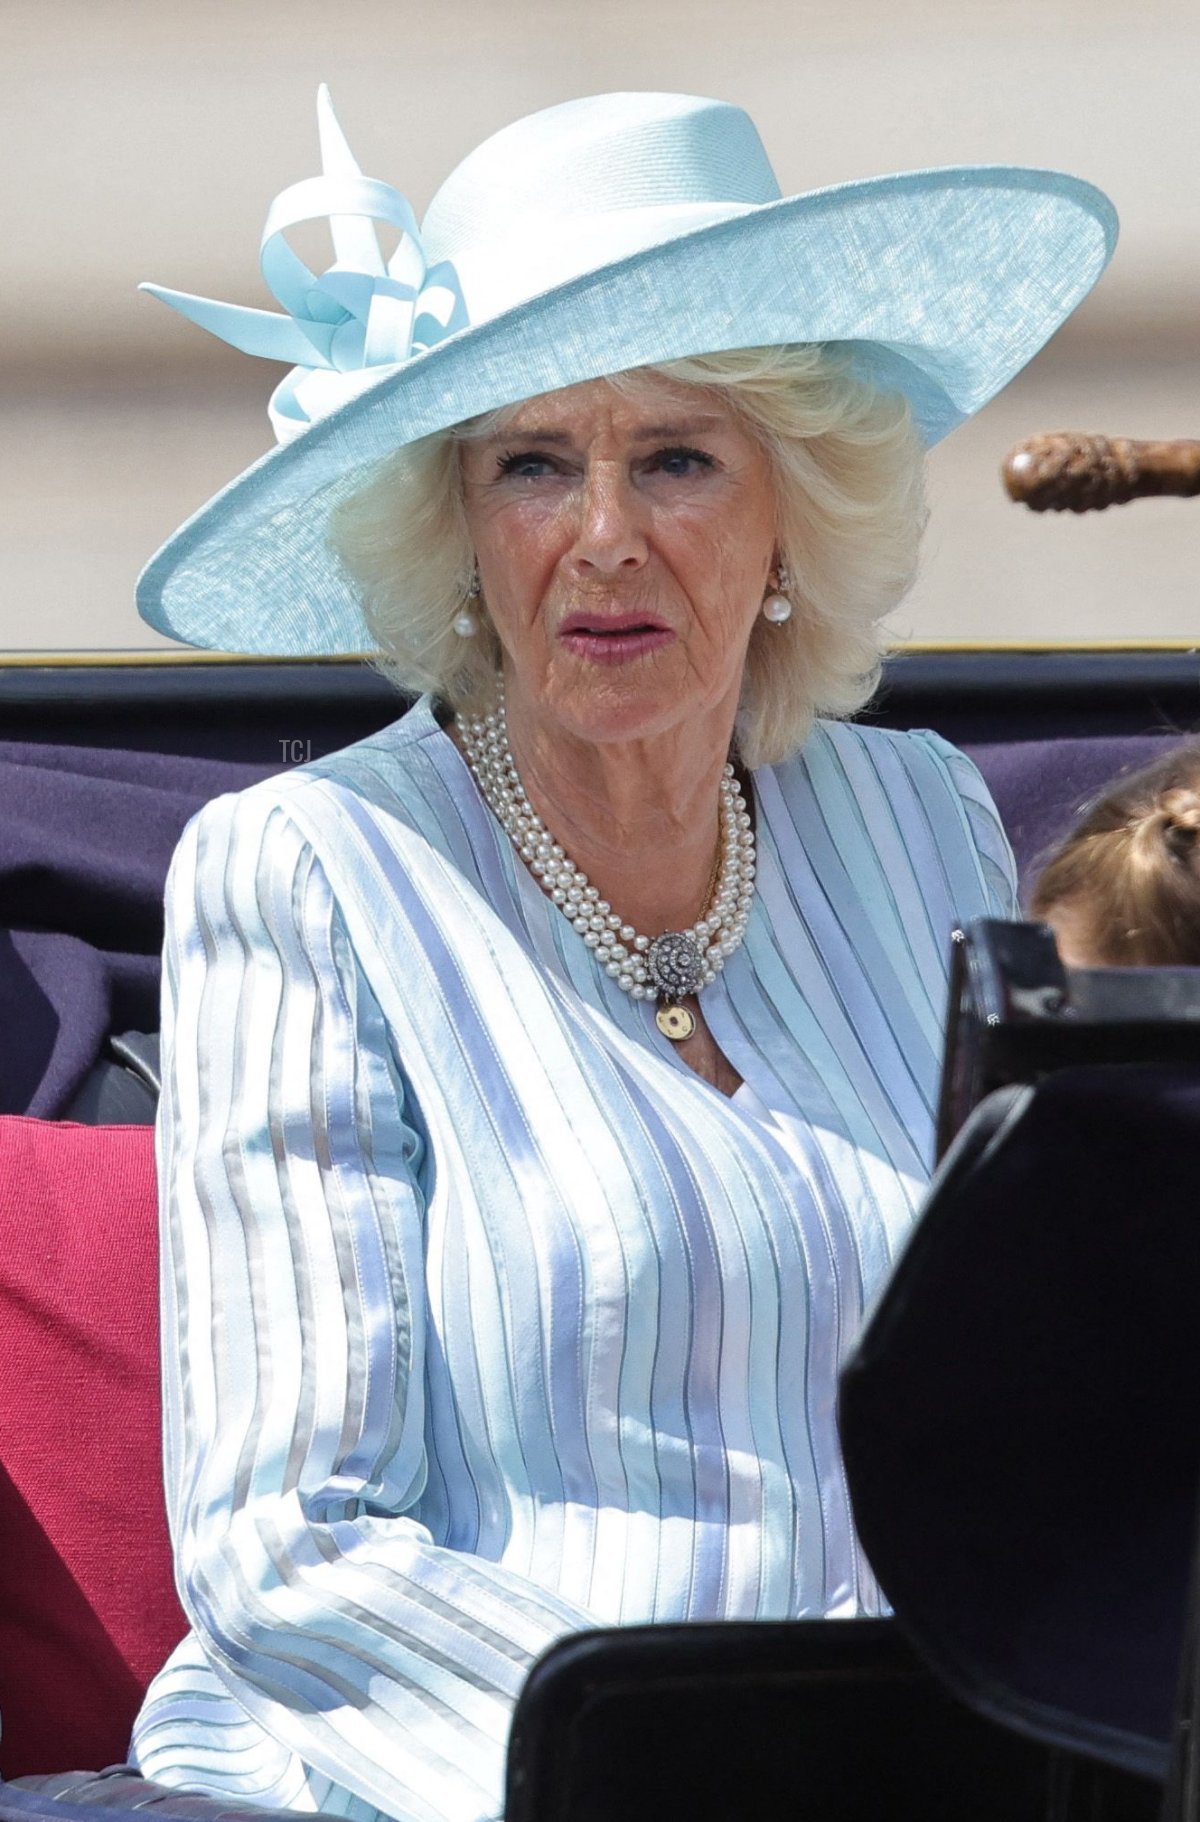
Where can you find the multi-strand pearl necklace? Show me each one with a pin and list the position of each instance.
(667, 967)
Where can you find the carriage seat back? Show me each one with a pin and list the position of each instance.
(88, 1610)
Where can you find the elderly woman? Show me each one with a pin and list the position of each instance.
(549, 1075)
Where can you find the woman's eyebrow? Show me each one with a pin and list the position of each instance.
(689, 427)
(645, 433)
(531, 434)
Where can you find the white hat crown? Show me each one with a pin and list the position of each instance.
(585, 183)
(605, 152)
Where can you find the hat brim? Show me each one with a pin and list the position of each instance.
(940, 284)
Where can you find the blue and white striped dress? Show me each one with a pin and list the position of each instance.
(484, 1318)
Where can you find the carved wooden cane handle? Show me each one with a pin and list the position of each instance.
(1068, 471)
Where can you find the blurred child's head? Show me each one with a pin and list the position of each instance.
(1123, 889)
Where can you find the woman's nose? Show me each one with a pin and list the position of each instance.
(610, 536)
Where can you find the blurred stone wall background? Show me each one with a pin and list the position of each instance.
(145, 141)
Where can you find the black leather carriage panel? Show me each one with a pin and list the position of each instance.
(123, 1087)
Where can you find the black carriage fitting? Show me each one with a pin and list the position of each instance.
(122, 1087)
(773, 1721)
(1016, 1014)
(269, 712)
(978, 698)
(252, 709)
(1020, 1418)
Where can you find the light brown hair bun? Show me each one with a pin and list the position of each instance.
(1128, 874)
(1179, 811)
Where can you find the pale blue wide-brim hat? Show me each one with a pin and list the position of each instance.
(603, 234)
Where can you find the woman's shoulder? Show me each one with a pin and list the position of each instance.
(869, 786)
(396, 772)
(392, 761)
(390, 803)
(914, 760)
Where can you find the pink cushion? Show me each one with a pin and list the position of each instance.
(87, 1604)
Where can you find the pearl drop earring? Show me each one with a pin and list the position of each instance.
(465, 623)
(776, 607)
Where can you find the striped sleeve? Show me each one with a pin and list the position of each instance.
(293, 1337)
(992, 845)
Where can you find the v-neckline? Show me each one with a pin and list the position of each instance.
(528, 899)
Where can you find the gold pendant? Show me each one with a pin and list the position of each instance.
(675, 1022)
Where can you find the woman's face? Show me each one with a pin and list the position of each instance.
(623, 545)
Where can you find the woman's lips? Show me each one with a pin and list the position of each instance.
(615, 641)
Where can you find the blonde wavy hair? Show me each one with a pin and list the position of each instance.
(848, 470)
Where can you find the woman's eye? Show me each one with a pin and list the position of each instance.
(527, 465)
(680, 463)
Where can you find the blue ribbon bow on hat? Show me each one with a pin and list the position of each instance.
(344, 329)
